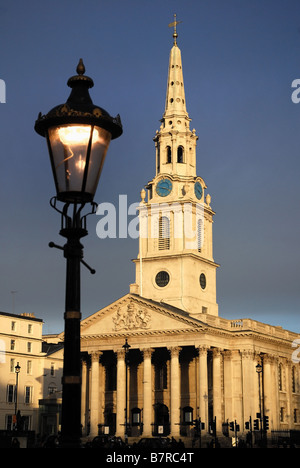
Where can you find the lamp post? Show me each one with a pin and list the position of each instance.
(17, 371)
(126, 346)
(78, 134)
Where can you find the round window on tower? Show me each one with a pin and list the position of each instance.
(202, 280)
(162, 279)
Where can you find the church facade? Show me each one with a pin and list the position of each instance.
(160, 361)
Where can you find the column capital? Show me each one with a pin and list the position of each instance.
(120, 353)
(247, 354)
(227, 353)
(202, 349)
(216, 352)
(268, 358)
(174, 350)
(95, 355)
(147, 352)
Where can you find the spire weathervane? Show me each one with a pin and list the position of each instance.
(173, 25)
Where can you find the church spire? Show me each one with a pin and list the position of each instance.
(175, 97)
(175, 142)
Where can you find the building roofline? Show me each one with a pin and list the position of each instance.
(22, 316)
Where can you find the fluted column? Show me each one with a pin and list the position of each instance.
(248, 379)
(147, 390)
(94, 407)
(268, 386)
(121, 393)
(203, 388)
(175, 391)
(217, 393)
(289, 396)
(228, 386)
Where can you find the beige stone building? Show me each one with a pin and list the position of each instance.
(35, 390)
(20, 345)
(185, 363)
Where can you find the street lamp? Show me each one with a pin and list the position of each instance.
(126, 346)
(78, 134)
(17, 371)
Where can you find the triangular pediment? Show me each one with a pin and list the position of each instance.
(134, 314)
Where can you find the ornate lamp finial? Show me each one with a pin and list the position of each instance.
(80, 67)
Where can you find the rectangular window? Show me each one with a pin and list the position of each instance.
(12, 345)
(28, 395)
(30, 328)
(12, 365)
(136, 417)
(9, 422)
(29, 347)
(52, 369)
(13, 326)
(295, 415)
(10, 393)
(29, 367)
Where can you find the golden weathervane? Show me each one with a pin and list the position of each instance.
(173, 25)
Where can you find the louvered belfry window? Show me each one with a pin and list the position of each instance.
(164, 233)
(199, 234)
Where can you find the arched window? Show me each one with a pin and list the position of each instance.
(164, 233)
(180, 154)
(169, 154)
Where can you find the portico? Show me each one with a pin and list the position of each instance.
(174, 376)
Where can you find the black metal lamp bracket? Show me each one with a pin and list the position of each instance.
(73, 228)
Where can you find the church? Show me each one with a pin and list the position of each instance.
(160, 361)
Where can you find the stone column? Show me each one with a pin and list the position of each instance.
(217, 391)
(228, 387)
(147, 390)
(248, 379)
(175, 391)
(288, 397)
(268, 386)
(94, 407)
(121, 393)
(237, 387)
(203, 386)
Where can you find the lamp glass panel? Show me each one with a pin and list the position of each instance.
(69, 145)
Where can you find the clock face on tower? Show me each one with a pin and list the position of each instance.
(164, 187)
(198, 190)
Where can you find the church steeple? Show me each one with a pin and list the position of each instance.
(175, 97)
(175, 262)
(175, 142)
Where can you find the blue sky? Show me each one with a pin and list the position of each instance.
(239, 60)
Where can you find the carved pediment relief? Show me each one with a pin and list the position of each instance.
(137, 315)
(131, 318)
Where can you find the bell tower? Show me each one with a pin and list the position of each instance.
(175, 264)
